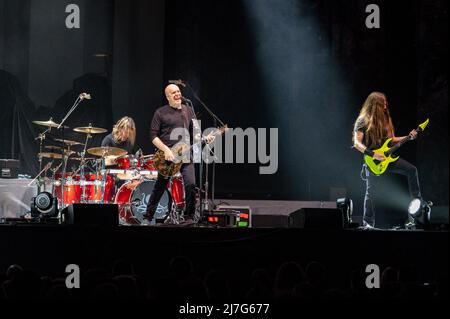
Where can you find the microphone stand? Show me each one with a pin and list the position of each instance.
(216, 119)
(200, 217)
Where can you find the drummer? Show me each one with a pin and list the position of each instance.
(123, 136)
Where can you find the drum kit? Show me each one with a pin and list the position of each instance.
(108, 175)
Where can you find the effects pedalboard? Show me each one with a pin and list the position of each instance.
(229, 216)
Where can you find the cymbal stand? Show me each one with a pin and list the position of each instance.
(65, 158)
(39, 174)
(103, 174)
(82, 173)
(54, 170)
(41, 138)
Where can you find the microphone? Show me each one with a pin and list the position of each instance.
(177, 82)
(84, 96)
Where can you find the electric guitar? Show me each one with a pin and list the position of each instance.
(379, 167)
(181, 151)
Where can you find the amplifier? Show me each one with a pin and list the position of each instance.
(9, 168)
(229, 216)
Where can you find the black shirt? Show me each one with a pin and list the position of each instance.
(167, 118)
(109, 141)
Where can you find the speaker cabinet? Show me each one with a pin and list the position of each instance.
(91, 214)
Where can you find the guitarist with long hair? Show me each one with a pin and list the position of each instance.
(371, 129)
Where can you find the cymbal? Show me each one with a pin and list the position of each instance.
(48, 123)
(56, 154)
(90, 130)
(54, 148)
(68, 142)
(106, 151)
(50, 155)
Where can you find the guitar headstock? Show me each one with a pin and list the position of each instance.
(223, 129)
(212, 135)
(422, 126)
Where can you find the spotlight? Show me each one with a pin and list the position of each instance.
(419, 213)
(346, 206)
(44, 205)
(414, 206)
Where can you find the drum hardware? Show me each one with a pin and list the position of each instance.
(103, 152)
(86, 159)
(68, 142)
(49, 124)
(41, 137)
(53, 148)
(82, 162)
(38, 176)
(90, 129)
(50, 155)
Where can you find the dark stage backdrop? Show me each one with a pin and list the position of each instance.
(302, 66)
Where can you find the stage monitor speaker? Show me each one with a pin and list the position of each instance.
(91, 214)
(317, 218)
(307, 218)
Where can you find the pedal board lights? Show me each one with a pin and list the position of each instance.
(229, 216)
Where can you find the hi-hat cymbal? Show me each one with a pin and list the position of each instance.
(68, 142)
(90, 130)
(48, 123)
(106, 151)
(50, 155)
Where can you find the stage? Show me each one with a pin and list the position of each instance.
(174, 149)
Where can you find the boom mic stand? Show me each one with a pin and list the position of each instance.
(216, 119)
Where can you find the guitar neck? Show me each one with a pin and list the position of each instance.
(398, 145)
(401, 142)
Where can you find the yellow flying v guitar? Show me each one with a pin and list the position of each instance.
(379, 167)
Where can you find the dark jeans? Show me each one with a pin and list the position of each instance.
(188, 173)
(401, 167)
